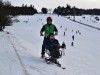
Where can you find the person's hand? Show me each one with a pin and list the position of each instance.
(56, 33)
(41, 34)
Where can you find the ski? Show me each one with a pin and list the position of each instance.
(59, 65)
(56, 65)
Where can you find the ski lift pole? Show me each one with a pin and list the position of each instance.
(74, 11)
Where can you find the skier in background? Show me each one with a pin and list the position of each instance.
(64, 33)
(73, 37)
(63, 46)
(72, 44)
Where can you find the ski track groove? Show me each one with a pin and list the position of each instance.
(39, 71)
(24, 69)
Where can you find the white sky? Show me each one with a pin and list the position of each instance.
(86, 4)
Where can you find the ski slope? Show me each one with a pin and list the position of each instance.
(89, 19)
(20, 51)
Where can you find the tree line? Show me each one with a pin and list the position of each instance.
(24, 10)
(68, 10)
(8, 11)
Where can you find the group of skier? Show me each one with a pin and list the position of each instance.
(49, 41)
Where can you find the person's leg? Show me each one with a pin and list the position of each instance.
(63, 51)
(43, 50)
(50, 48)
(57, 52)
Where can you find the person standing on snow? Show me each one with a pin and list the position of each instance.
(64, 33)
(63, 46)
(72, 44)
(73, 37)
(47, 28)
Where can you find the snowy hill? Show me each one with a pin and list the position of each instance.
(89, 19)
(20, 50)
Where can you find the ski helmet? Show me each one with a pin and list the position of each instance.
(51, 34)
(49, 18)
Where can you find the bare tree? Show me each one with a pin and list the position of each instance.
(5, 18)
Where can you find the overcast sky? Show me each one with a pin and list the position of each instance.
(38, 4)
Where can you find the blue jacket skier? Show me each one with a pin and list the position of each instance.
(51, 42)
(52, 45)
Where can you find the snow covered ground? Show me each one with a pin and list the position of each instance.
(20, 50)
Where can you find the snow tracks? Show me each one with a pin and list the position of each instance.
(11, 62)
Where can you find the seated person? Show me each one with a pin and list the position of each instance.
(63, 45)
(51, 44)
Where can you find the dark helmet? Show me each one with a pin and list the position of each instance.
(49, 18)
(51, 34)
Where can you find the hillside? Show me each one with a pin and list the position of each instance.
(20, 51)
